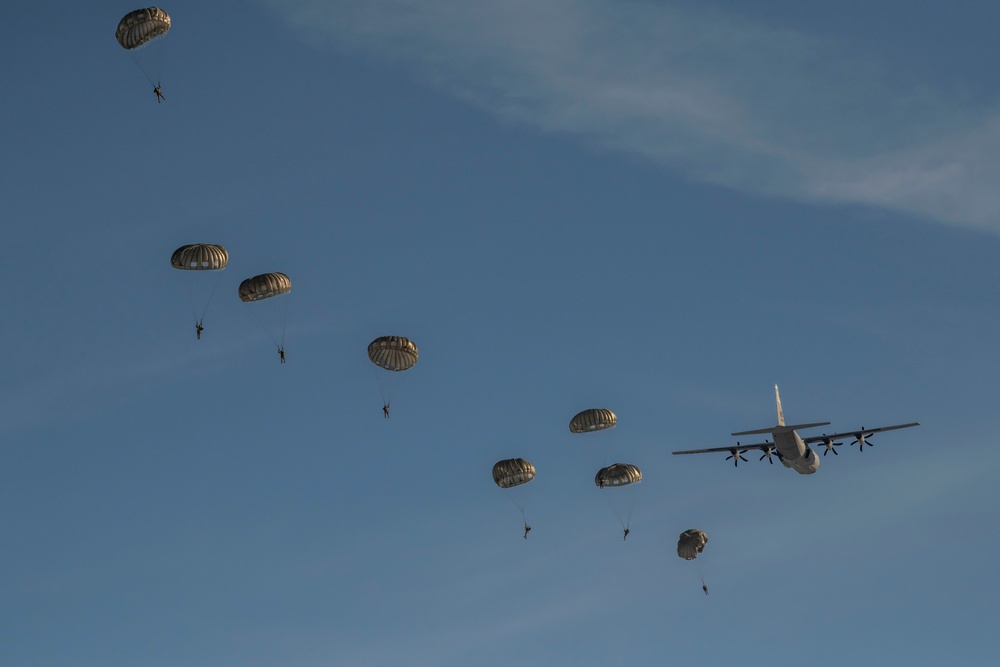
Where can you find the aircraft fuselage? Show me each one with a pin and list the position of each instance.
(793, 452)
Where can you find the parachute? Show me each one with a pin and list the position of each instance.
(512, 472)
(622, 502)
(393, 353)
(270, 310)
(141, 33)
(195, 260)
(140, 26)
(691, 543)
(264, 286)
(595, 419)
(200, 257)
(617, 474)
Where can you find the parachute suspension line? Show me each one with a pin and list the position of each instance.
(630, 507)
(211, 295)
(189, 296)
(260, 323)
(622, 508)
(284, 322)
(524, 517)
(266, 320)
(194, 295)
(378, 383)
(387, 382)
(149, 58)
(518, 505)
(149, 61)
(614, 509)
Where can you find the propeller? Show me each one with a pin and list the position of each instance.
(860, 440)
(737, 455)
(830, 444)
(769, 450)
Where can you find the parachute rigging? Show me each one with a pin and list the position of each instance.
(691, 543)
(512, 475)
(620, 475)
(394, 354)
(142, 33)
(195, 261)
(266, 291)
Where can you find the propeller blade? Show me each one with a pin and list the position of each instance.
(861, 439)
(736, 455)
(830, 444)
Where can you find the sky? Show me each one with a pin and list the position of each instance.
(659, 208)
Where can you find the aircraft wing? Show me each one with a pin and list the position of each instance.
(740, 447)
(851, 434)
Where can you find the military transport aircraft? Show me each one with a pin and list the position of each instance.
(791, 448)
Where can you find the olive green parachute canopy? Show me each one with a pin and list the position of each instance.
(264, 286)
(617, 474)
(511, 472)
(393, 353)
(595, 419)
(199, 257)
(691, 543)
(138, 27)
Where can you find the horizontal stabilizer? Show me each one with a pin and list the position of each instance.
(781, 429)
(759, 431)
(796, 427)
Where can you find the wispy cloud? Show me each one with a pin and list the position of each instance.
(718, 98)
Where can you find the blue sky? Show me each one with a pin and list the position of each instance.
(661, 208)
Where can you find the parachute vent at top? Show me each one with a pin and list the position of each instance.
(595, 419)
(140, 26)
(264, 286)
(199, 257)
(617, 474)
(691, 543)
(393, 353)
(511, 472)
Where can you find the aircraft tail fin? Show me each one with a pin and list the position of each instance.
(777, 401)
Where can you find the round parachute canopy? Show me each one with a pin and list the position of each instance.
(140, 26)
(199, 257)
(691, 543)
(264, 286)
(512, 472)
(617, 474)
(393, 353)
(595, 419)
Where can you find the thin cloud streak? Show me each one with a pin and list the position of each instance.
(715, 97)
